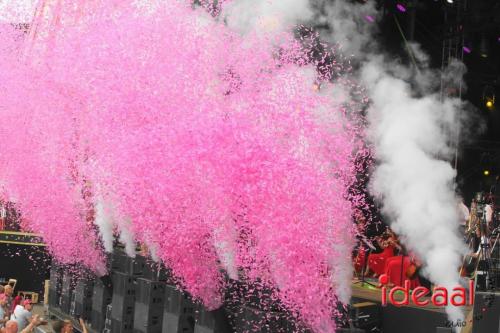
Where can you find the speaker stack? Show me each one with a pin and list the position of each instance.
(255, 320)
(55, 285)
(149, 304)
(101, 298)
(138, 266)
(123, 303)
(258, 312)
(216, 321)
(68, 285)
(178, 312)
(82, 300)
(486, 313)
(139, 297)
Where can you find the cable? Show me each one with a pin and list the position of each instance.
(408, 47)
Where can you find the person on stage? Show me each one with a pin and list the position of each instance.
(377, 261)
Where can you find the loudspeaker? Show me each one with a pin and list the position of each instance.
(216, 321)
(122, 314)
(179, 312)
(486, 310)
(149, 303)
(55, 285)
(118, 326)
(253, 308)
(254, 320)
(120, 262)
(164, 274)
(68, 285)
(260, 297)
(148, 269)
(101, 297)
(139, 266)
(83, 299)
(366, 315)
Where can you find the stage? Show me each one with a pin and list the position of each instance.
(410, 318)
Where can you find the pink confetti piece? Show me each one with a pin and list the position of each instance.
(370, 18)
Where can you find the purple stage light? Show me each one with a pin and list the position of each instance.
(369, 18)
(466, 49)
(401, 8)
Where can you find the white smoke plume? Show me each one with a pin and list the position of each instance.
(410, 126)
(416, 186)
(342, 270)
(153, 251)
(270, 15)
(349, 24)
(108, 219)
(225, 247)
(126, 236)
(104, 221)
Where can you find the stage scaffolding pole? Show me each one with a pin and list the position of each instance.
(453, 50)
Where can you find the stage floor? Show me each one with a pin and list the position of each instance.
(369, 292)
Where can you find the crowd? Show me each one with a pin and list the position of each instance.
(16, 315)
(385, 254)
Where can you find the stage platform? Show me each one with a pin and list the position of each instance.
(408, 319)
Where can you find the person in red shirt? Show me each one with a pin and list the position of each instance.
(377, 261)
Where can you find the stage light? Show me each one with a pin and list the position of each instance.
(486, 172)
(489, 97)
(449, 1)
(484, 47)
(401, 8)
(466, 49)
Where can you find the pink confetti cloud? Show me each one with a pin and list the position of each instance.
(197, 135)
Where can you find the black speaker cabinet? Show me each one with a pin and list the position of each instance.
(216, 321)
(123, 303)
(254, 320)
(149, 304)
(101, 297)
(179, 312)
(55, 285)
(68, 286)
(83, 299)
(486, 312)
